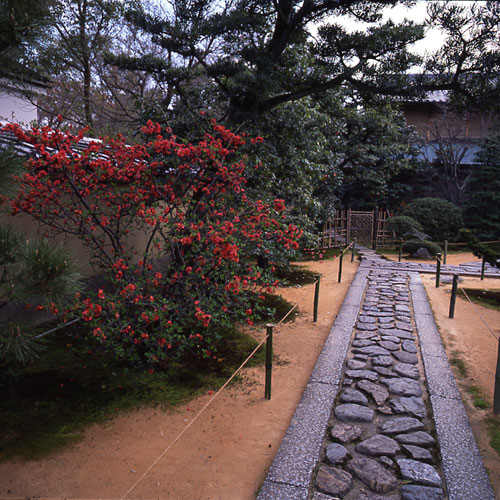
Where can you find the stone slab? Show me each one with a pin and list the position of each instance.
(301, 446)
(272, 491)
(463, 466)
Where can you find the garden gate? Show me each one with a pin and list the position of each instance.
(368, 228)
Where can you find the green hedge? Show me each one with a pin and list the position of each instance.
(405, 227)
(440, 219)
(412, 246)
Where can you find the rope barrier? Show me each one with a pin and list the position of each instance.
(56, 328)
(347, 247)
(194, 419)
(165, 451)
(478, 313)
(465, 244)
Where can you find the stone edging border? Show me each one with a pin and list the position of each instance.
(463, 467)
(291, 471)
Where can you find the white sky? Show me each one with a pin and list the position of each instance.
(417, 13)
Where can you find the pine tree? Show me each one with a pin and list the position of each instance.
(482, 209)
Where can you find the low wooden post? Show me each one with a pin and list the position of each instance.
(316, 301)
(400, 250)
(340, 265)
(438, 269)
(445, 251)
(483, 264)
(496, 394)
(453, 295)
(269, 361)
(353, 249)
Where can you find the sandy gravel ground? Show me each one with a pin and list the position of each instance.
(468, 339)
(224, 455)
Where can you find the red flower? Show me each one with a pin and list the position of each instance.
(279, 205)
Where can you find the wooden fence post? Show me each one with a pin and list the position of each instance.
(453, 295)
(316, 301)
(269, 361)
(340, 265)
(438, 269)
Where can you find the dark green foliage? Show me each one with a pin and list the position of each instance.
(295, 162)
(490, 253)
(295, 275)
(70, 388)
(405, 227)
(10, 248)
(33, 272)
(440, 219)
(39, 270)
(411, 247)
(11, 165)
(482, 209)
(23, 24)
(372, 147)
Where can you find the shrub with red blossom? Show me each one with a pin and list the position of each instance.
(196, 271)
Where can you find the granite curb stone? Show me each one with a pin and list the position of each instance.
(464, 474)
(292, 468)
(463, 467)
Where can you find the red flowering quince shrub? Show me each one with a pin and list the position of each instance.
(196, 272)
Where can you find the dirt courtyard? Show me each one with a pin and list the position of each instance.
(225, 455)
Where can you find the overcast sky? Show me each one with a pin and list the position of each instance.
(417, 13)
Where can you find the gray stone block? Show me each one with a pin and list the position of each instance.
(301, 446)
(463, 466)
(274, 491)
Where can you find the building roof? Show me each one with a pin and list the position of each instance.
(429, 152)
(8, 140)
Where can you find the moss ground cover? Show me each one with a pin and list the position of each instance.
(70, 387)
(67, 389)
(484, 297)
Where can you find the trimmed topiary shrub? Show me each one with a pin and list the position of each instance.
(405, 227)
(440, 219)
(412, 246)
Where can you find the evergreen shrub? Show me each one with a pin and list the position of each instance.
(405, 227)
(440, 219)
(413, 245)
(482, 209)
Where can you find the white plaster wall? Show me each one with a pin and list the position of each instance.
(15, 109)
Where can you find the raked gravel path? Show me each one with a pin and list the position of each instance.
(381, 417)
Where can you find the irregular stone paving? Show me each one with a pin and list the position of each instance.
(467, 269)
(369, 394)
(380, 442)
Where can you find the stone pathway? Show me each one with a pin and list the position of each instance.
(381, 417)
(468, 269)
